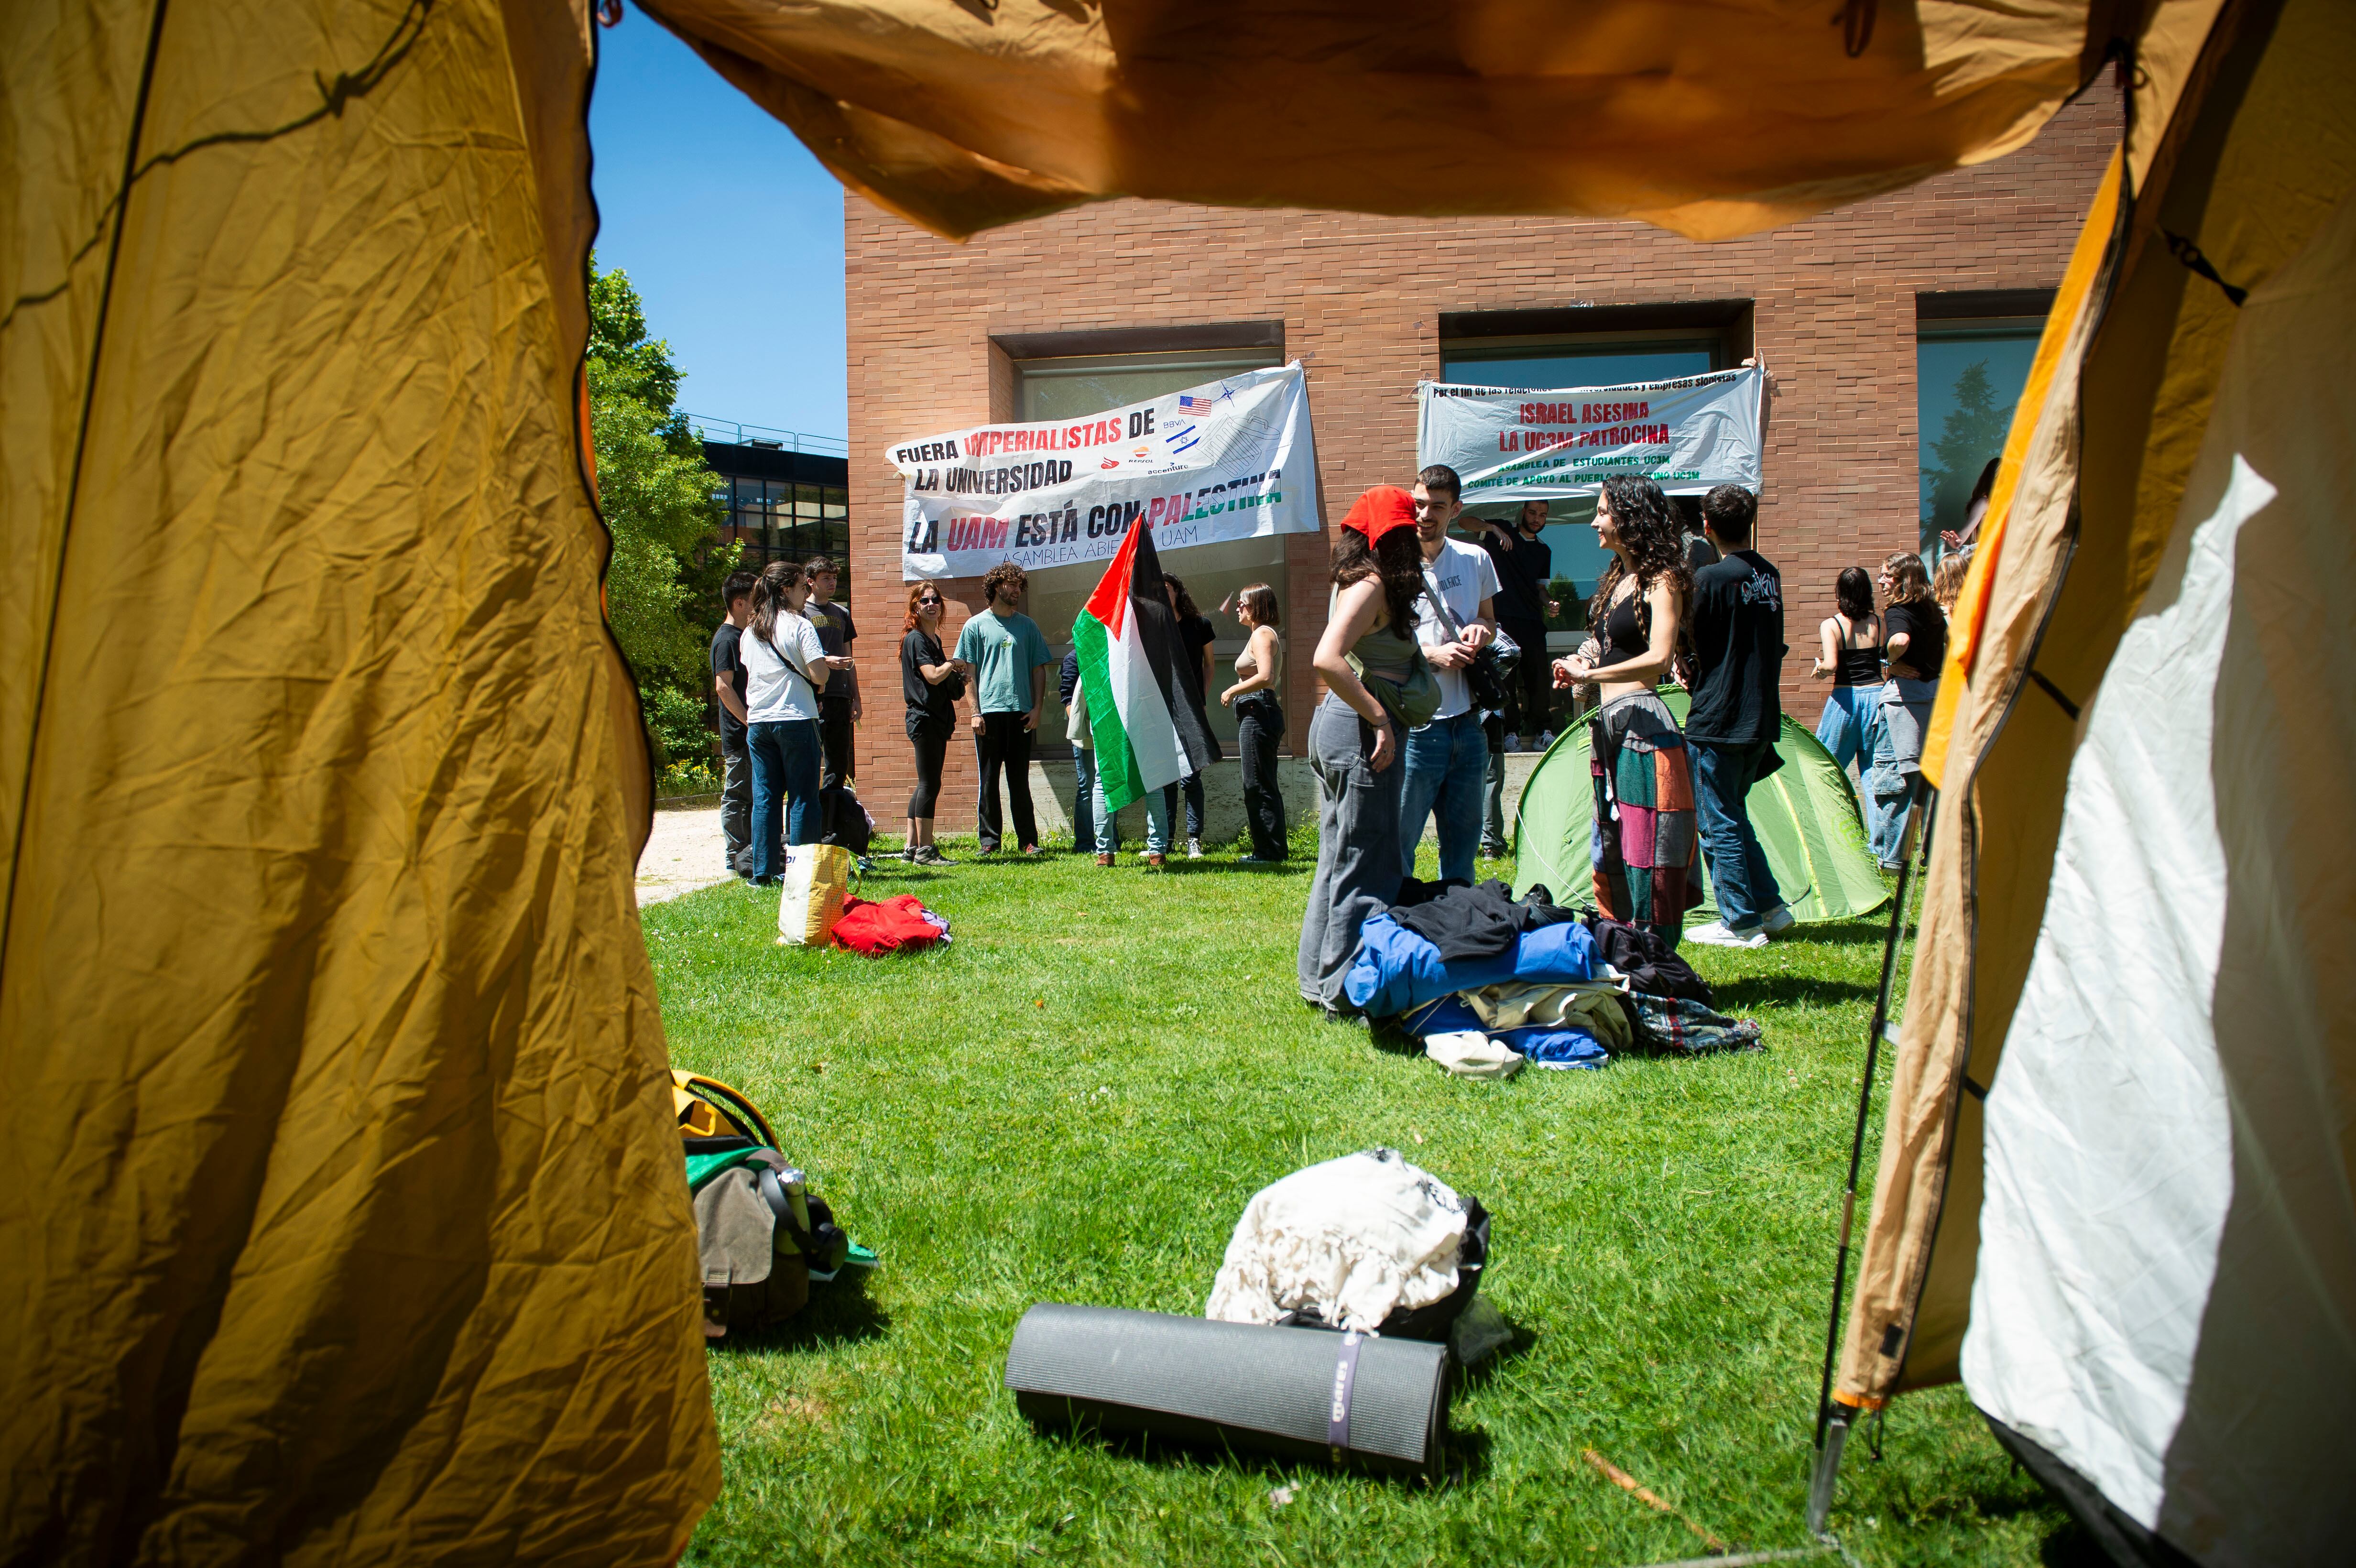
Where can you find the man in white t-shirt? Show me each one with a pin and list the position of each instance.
(1448, 759)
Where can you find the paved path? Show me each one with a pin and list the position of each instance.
(682, 855)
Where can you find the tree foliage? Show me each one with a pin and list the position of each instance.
(1973, 432)
(656, 492)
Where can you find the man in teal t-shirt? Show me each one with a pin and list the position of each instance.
(1009, 661)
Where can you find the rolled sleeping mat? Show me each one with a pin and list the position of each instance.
(1305, 1393)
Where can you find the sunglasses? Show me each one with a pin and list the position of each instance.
(930, 599)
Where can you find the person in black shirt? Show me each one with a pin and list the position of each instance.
(1916, 646)
(930, 682)
(839, 707)
(1195, 636)
(1525, 567)
(1737, 627)
(728, 691)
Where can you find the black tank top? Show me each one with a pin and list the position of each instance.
(1623, 635)
(1858, 666)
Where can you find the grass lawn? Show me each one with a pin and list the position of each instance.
(1074, 1101)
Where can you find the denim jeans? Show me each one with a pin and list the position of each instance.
(1722, 777)
(1083, 799)
(1447, 766)
(1191, 786)
(784, 791)
(1093, 830)
(1157, 820)
(1852, 716)
(1903, 714)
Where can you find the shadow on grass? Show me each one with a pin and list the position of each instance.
(1870, 933)
(840, 1313)
(1787, 991)
(1462, 1454)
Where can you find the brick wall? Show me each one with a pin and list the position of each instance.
(1834, 321)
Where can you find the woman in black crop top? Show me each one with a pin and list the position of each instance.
(1849, 656)
(1640, 761)
(1916, 645)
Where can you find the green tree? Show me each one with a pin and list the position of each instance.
(1973, 432)
(657, 494)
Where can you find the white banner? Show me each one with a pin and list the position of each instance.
(1509, 443)
(1227, 460)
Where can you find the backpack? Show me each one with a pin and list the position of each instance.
(846, 821)
(762, 1235)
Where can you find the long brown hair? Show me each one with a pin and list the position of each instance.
(916, 590)
(1649, 529)
(1398, 562)
(1909, 584)
(769, 596)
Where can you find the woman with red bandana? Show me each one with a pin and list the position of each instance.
(1355, 740)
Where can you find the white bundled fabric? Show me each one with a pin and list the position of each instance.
(1469, 1054)
(1349, 1241)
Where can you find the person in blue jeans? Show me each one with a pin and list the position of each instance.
(1736, 623)
(1447, 761)
(1849, 656)
(1093, 829)
(785, 669)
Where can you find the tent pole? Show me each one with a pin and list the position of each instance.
(1829, 1460)
(1820, 1485)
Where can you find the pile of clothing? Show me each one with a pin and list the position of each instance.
(1488, 983)
(899, 925)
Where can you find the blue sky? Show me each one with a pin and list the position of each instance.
(730, 230)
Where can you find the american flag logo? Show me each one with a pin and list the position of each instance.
(1200, 408)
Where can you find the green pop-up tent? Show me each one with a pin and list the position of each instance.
(1805, 814)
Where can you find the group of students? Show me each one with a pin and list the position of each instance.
(1885, 673)
(788, 695)
(1665, 794)
(1004, 658)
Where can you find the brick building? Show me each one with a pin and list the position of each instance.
(1870, 321)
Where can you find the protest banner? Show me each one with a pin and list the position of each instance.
(1231, 459)
(1510, 444)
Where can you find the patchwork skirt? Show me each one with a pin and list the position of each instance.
(1647, 850)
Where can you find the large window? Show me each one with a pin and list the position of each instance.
(1968, 376)
(779, 519)
(1547, 363)
(1076, 385)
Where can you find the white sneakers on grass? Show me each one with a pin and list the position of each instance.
(1777, 920)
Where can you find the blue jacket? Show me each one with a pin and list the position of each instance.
(1395, 969)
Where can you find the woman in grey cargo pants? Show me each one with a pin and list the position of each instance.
(1354, 742)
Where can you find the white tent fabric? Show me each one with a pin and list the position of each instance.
(2165, 1298)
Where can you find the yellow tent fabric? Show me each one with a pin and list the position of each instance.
(342, 1214)
(1710, 120)
(342, 1217)
(2246, 175)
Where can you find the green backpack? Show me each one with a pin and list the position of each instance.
(763, 1234)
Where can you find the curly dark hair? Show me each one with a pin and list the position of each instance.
(1183, 600)
(997, 577)
(1648, 527)
(1398, 561)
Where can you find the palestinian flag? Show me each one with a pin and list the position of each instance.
(1145, 721)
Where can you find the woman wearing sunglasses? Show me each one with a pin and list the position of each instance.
(931, 681)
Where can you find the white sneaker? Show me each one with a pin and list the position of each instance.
(1715, 935)
(1779, 920)
(1194, 849)
(1513, 742)
(1546, 741)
